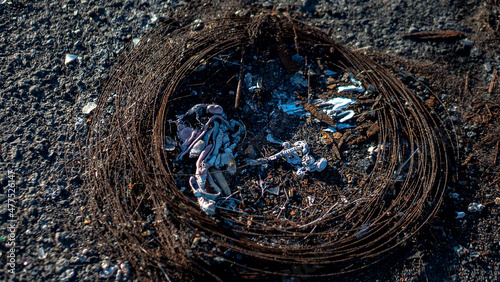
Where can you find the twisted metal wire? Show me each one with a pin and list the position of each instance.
(130, 175)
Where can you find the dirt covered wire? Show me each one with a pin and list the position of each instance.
(133, 187)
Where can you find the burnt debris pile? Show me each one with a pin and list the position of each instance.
(258, 146)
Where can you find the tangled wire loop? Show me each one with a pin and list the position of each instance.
(135, 197)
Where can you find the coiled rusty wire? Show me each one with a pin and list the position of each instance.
(134, 195)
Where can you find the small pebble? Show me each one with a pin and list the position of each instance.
(89, 107)
(69, 58)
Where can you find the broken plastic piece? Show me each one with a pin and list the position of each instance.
(475, 207)
(460, 215)
(338, 103)
(341, 89)
(347, 115)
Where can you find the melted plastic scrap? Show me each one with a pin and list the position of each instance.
(212, 144)
(304, 164)
(332, 107)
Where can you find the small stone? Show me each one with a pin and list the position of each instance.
(487, 66)
(136, 41)
(274, 190)
(89, 107)
(412, 29)
(41, 253)
(497, 201)
(70, 58)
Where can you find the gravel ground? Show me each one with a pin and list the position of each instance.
(42, 205)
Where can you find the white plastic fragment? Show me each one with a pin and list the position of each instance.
(337, 103)
(69, 58)
(341, 89)
(347, 115)
(89, 107)
(154, 18)
(460, 215)
(475, 207)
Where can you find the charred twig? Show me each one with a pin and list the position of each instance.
(443, 35)
(239, 89)
(493, 81)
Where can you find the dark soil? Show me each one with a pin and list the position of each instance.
(44, 128)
